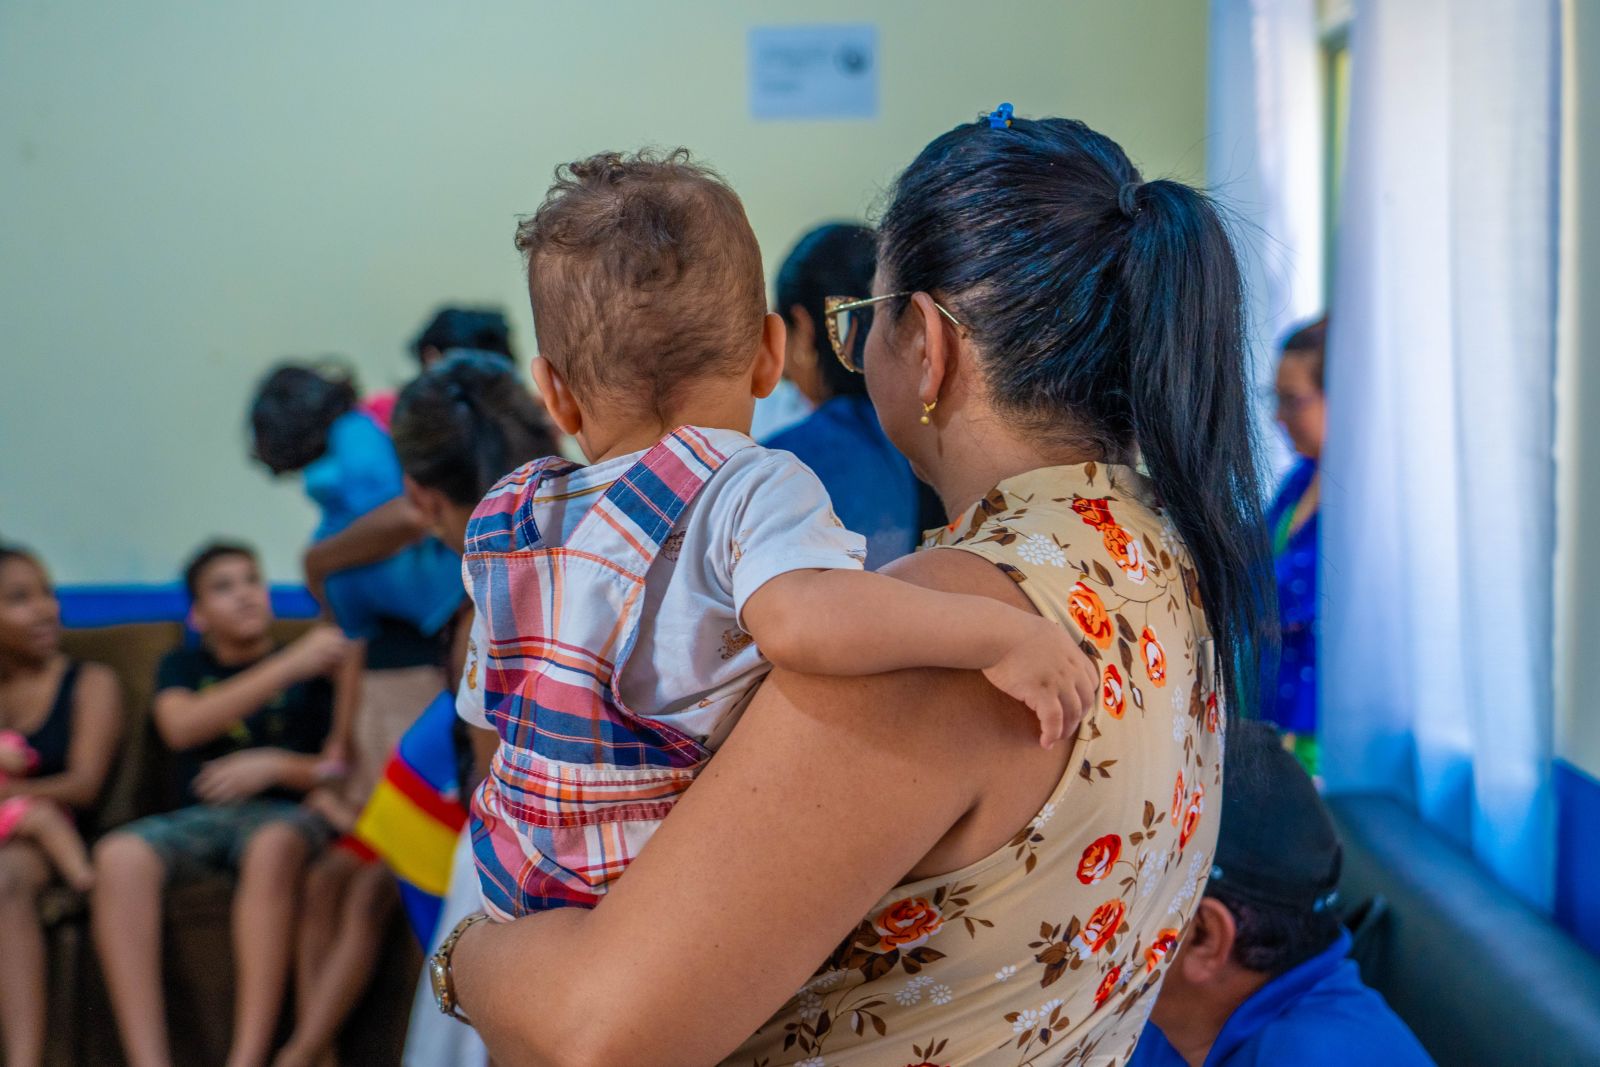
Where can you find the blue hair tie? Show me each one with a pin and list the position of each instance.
(999, 118)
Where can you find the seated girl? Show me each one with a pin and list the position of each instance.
(60, 722)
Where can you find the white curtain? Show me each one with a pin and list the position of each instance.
(1438, 479)
(1264, 162)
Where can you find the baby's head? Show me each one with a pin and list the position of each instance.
(648, 300)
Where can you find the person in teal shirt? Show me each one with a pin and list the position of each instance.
(306, 419)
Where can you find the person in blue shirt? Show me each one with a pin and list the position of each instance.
(1261, 977)
(1289, 692)
(306, 419)
(874, 491)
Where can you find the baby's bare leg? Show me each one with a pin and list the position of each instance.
(47, 825)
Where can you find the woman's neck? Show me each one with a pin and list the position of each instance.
(968, 465)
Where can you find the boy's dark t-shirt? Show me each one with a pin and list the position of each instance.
(298, 719)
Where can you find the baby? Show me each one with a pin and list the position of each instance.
(627, 610)
(41, 821)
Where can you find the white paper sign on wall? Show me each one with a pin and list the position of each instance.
(814, 72)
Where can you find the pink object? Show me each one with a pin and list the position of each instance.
(11, 741)
(11, 813)
(380, 406)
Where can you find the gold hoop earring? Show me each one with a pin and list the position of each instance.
(927, 409)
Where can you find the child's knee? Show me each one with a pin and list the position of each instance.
(22, 873)
(277, 850)
(124, 862)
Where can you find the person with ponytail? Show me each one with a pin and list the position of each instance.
(459, 427)
(887, 870)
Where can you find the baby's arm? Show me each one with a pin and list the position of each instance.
(844, 622)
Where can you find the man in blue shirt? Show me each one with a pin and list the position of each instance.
(1261, 977)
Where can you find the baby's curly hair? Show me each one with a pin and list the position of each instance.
(645, 276)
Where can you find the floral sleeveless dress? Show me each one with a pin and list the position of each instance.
(1050, 951)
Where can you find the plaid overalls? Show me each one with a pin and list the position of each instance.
(580, 780)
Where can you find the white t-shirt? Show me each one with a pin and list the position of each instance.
(694, 666)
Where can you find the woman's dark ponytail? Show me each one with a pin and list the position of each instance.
(1189, 397)
(1109, 313)
(466, 423)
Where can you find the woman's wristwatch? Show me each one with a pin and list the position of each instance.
(444, 986)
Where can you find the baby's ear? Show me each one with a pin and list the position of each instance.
(768, 368)
(558, 399)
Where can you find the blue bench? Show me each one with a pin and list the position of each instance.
(1480, 977)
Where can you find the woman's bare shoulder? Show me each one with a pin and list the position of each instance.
(952, 570)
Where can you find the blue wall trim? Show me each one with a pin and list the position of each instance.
(1578, 854)
(112, 605)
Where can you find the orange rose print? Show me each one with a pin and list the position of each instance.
(1159, 949)
(1090, 614)
(905, 924)
(1191, 820)
(1108, 986)
(1111, 694)
(1213, 714)
(1101, 928)
(1177, 799)
(1099, 858)
(1155, 657)
(1126, 551)
(1096, 513)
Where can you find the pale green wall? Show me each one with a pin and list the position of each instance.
(191, 190)
(1578, 398)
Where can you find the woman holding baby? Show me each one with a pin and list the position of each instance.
(890, 868)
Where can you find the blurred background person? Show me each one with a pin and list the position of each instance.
(1289, 695)
(873, 490)
(60, 725)
(1261, 976)
(456, 330)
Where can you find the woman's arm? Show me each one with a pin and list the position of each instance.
(96, 729)
(347, 683)
(377, 535)
(828, 793)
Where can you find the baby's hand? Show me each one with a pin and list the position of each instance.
(1047, 671)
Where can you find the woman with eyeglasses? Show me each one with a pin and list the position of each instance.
(870, 482)
(1289, 694)
(889, 869)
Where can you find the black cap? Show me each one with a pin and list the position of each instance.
(1277, 844)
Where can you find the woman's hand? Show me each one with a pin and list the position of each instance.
(1046, 670)
(239, 777)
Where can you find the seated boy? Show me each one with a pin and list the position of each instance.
(246, 722)
(626, 610)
